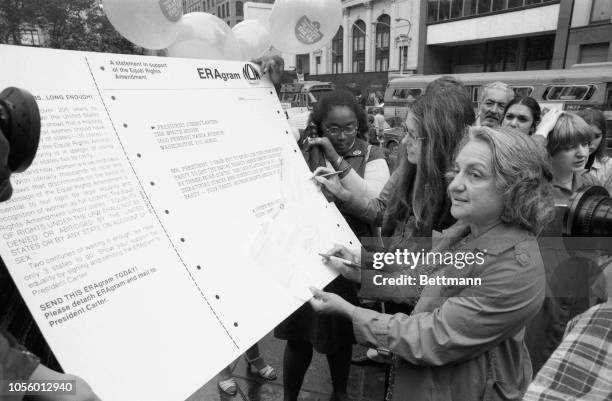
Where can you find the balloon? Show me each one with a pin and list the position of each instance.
(205, 36)
(302, 26)
(254, 38)
(152, 24)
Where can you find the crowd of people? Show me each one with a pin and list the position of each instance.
(485, 182)
(488, 182)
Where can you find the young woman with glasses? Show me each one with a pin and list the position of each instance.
(414, 200)
(337, 126)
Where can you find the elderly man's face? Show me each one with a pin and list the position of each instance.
(492, 107)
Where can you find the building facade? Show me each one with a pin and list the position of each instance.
(230, 11)
(462, 36)
(375, 36)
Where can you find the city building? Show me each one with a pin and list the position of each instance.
(375, 37)
(507, 35)
(230, 11)
(589, 37)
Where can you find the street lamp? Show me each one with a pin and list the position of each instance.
(405, 20)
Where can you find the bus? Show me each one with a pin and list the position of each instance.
(579, 87)
(298, 99)
(303, 94)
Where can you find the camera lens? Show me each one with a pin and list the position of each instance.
(20, 124)
(589, 214)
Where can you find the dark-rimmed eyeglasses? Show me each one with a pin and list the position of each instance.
(346, 130)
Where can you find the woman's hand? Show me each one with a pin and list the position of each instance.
(548, 122)
(328, 303)
(331, 184)
(326, 145)
(349, 272)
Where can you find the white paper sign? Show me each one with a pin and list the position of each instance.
(147, 236)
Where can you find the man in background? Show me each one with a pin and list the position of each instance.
(495, 97)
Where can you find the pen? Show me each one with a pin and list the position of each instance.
(342, 260)
(328, 174)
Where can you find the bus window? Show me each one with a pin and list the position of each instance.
(318, 93)
(407, 94)
(522, 91)
(289, 97)
(476, 94)
(569, 92)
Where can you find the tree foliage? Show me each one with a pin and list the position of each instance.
(64, 24)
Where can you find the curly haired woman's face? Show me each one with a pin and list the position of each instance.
(474, 196)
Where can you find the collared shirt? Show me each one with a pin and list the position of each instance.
(580, 368)
(579, 180)
(602, 170)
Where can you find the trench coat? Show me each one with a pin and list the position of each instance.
(464, 343)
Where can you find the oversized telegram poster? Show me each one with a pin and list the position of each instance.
(168, 221)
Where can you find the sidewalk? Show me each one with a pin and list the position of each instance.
(366, 383)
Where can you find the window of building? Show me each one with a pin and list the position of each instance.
(432, 10)
(444, 10)
(227, 10)
(338, 51)
(533, 53)
(601, 11)
(29, 37)
(594, 52)
(218, 11)
(441, 10)
(239, 9)
(317, 64)
(456, 8)
(403, 58)
(359, 46)
(539, 52)
(383, 29)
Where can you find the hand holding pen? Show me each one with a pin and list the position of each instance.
(347, 263)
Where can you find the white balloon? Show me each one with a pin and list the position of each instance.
(254, 38)
(152, 24)
(205, 36)
(302, 26)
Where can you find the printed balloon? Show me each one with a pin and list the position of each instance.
(152, 24)
(302, 26)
